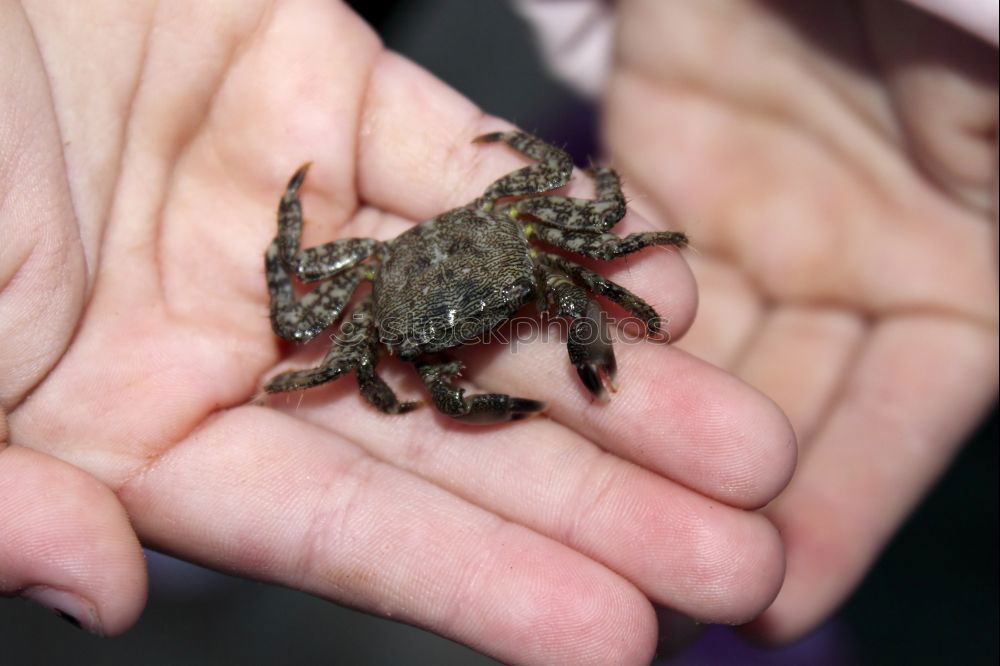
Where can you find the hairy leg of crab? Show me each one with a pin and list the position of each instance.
(377, 392)
(603, 245)
(302, 320)
(553, 169)
(596, 215)
(322, 261)
(481, 408)
(349, 347)
(600, 285)
(355, 347)
(589, 343)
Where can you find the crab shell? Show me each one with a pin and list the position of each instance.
(447, 281)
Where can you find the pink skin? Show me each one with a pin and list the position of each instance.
(134, 321)
(843, 221)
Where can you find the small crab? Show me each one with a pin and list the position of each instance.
(447, 281)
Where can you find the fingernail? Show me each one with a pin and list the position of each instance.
(75, 610)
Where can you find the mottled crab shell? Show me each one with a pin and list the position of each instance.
(448, 280)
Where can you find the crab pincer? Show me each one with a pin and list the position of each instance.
(591, 352)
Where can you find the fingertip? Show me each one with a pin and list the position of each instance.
(745, 439)
(735, 567)
(589, 615)
(699, 426)
(771, 449)
(759, 578)
(68, 544)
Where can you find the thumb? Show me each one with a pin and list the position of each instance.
(66, 542)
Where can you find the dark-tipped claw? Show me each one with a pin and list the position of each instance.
(598, 373)
(489, 408)
(591, 352)
(300, 175)
(489, 138)
(405, 407)
(480, 408)
(523, 407)
(296, 181)
(296, 380)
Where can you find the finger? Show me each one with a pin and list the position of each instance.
(305, 66)
(440, 168)
(742, 216)
(706, 559)
(268, 496)
(416, 156)
(799, 358)
(729, 311)
(67, 543)
(672, 413)
(919, 387)
(948, 109)
(43, 272)
(307, 71)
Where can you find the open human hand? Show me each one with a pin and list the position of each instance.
(145, 151)
(835, 168)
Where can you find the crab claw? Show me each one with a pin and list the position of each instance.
(591, 353)
(492, 136)
(488, 408)
(598, 371)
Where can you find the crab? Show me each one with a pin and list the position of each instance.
(447, 281)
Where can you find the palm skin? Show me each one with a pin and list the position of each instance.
(140, 187)
(835, 168)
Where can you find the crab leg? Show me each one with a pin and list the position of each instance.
(589, 344)
(596, 215)
(552, 171)
(299, 321)
(600, 285)
(481, 408)
(355, 348)
(322, 261)
(604, 246)
(302, 320)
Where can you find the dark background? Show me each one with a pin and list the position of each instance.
(931, 599)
